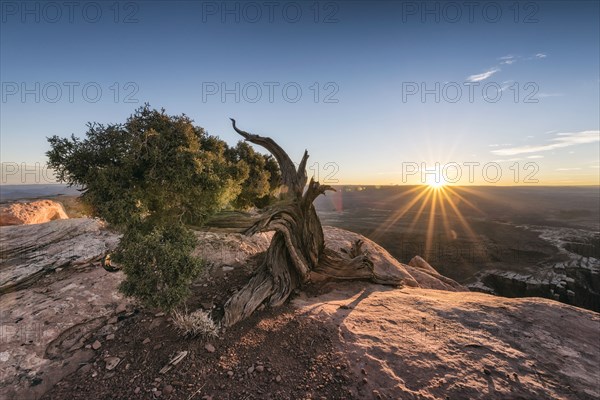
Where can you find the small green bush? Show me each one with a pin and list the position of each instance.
(158, 264)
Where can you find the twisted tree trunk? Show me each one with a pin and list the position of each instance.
(298, 247)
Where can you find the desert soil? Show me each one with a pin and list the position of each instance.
(275, 354)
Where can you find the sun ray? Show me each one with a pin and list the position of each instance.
(463, 199)
(430, 192)
(443, 212)
(475, 193)
(440, 202)
(392, 219)
(461, 218)
(403, 194)
(431, 224)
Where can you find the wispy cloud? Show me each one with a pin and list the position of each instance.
(559, 141)
(537, 56)
(535, 156)
(506, 60)
(510, 59)
(483, 75)
(568, 169)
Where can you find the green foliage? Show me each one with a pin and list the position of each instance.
(151, 176)
(154, 166)
(263, 179)
(158, 264)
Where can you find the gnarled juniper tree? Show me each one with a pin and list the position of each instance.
(157, 174)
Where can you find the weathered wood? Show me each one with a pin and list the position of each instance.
(229, 221)
(297, 248)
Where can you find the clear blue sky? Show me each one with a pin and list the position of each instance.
(373, 58)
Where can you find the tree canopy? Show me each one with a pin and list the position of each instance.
(152, 176)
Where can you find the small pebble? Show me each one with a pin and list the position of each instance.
(112, 362)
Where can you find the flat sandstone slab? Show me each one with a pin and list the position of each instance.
(415, 343)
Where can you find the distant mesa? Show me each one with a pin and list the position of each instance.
(35, 212)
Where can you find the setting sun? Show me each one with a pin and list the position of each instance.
(435, 182)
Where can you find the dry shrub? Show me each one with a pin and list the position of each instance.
(197, 323)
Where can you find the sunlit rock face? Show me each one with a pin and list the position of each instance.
(417, 343)
(230, 250)
(418, 273)
(35, 212)
(429, 278)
